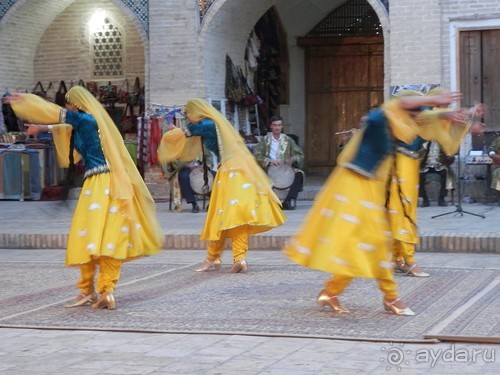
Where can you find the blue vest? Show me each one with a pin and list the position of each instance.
(377, 143)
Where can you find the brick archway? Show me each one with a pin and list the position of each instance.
(21, 56)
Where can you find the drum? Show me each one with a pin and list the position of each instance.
(282, 176)
(197, 183)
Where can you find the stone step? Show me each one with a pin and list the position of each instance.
(433, 243)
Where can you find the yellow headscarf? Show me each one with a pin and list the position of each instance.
(124, 172)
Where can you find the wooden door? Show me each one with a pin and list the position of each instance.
(491, 77)
(344, 80)
(480, 72)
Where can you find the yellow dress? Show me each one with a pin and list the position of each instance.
(237, 200)
(347, 230)
(100, 227)
(403, 201)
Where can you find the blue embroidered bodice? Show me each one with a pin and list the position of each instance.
(208, 133)
(86, 139)
(377, 143)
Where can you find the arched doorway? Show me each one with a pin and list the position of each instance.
(344, 78)
(271, 75)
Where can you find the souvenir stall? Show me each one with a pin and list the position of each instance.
(150, 128)
(28, 166)
(125, 106)
(259, 89)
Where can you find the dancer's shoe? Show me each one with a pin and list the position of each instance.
(324, 299)
(209, 265)
(414, 270)
(82, 300)
(239, 266)
(409, 270)
(391, 308)
(105, 301)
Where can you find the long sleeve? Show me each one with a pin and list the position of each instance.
(297, 153)
(35, 110)
(261, 153)
(206, 130)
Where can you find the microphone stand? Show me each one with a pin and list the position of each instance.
(459, 209)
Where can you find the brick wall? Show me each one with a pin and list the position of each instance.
(64, 50)
(54, 44)
(175, 54)
(420, 37)
(415, 42)
(20, 32)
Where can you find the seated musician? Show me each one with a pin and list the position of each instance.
(435, 161)
(494, 153)
(178, 173)
(276, 149)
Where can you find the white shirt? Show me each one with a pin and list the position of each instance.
(275, 143)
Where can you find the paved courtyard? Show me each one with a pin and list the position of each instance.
(31, 231)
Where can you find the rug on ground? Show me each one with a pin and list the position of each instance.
(276, 300)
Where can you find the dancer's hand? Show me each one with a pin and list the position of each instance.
(478, 128)
(275, 163)
(34, 130)
(12, 98)
(446, 98)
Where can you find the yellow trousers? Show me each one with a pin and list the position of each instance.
(336, 285)
(403, 251)
(239, 244)
(109, 273)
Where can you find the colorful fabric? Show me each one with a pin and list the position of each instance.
(20, 174)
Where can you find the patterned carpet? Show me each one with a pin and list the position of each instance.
(268, 300)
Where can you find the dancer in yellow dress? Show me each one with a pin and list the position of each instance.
(405, 183)
(347, 232)
(115, 217)
(242, 200)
